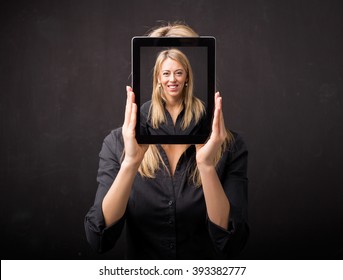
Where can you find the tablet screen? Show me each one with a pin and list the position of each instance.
(169, 71)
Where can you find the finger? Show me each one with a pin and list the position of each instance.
(220, 109)
(216, 117)
(132, 96)
(219, 104)
(133, 117)
(215, 123)
(217, 97)
(222, 123)
(222, 127)
(217, 101)
(128, 106)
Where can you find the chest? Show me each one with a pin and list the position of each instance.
(167, 200)
(173, 154)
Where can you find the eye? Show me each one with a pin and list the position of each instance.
(165, 74)
(179, 73)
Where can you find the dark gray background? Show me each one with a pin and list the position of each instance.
(64, 67)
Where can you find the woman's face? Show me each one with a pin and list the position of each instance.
(172, 79)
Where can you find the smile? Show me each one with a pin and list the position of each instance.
(172, 87)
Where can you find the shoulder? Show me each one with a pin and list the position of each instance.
(114, 140)
(145, 107)
(237, 143)
(234, 161)
(236, 150)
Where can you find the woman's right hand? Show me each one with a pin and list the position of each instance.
(134, 152)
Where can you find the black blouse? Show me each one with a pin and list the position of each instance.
(166, 216)
(168, 128)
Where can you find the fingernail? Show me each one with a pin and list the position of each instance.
(127, 87)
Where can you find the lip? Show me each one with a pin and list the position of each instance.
(173, 87)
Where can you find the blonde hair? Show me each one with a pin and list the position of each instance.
(194, 108)
(152, 158)
(175, 29)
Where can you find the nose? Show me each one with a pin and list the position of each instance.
(172, 77)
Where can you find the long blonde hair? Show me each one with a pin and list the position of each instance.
(194, 108)
(152, 158)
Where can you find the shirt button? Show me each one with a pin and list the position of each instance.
(170, 221)
(171, 245)
(170, 202)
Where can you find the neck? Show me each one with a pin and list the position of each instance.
(174, 104)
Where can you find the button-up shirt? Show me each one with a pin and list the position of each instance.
(166, 216)
(169, 128)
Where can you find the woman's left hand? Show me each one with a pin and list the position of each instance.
(206, 153)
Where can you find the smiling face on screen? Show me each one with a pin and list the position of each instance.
(172, 78)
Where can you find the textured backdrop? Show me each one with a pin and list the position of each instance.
(64, 67)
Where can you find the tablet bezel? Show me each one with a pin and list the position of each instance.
(170, 42)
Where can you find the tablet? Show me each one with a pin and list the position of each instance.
(168, 71)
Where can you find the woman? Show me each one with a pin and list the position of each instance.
(177, 201)
(173, 110)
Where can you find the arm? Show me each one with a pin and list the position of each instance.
(100, 237)
(232, 171)
(105, 219)
(217, 204)
(225, 188)
(115, 201)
